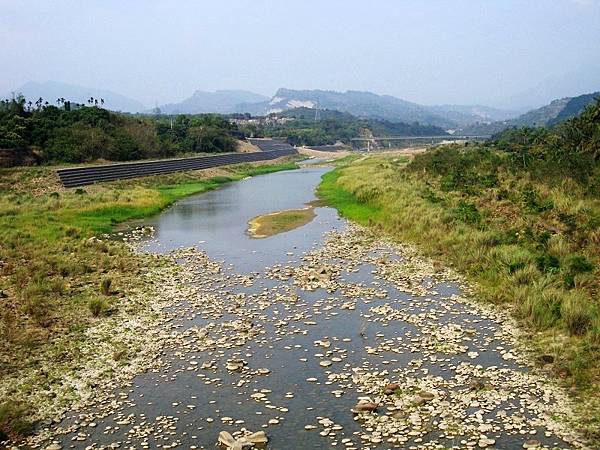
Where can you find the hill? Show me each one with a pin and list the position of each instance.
(52, 90)
(357, 103)
(387, 107)
(299, 127)
(221, 102)
(555, 112)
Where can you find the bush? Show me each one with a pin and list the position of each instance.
(539, 305)
(512, 257)
(105, 286)
(576, 264)
(12, 422)
(98, 307)
(467, 212)
(548, 263)
(577, 312)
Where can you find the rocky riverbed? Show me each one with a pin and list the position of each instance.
(357, 344)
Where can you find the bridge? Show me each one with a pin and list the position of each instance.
(371, 142)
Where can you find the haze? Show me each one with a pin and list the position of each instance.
(504, 53)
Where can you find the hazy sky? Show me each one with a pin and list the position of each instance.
(428, 51)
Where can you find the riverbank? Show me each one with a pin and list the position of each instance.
(489, 240)
(64, 292)
(325, 334)
(368, 343)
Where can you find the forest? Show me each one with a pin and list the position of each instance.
(75, 133)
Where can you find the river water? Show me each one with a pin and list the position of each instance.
(185, 406)
(216, 221)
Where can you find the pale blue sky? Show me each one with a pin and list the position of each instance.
(428, 51)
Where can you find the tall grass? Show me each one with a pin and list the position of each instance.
(528, 246)
(56, 279)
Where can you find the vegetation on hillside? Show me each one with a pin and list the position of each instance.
(333, 126)
(77, 133)
(519, 216)
(555, 112)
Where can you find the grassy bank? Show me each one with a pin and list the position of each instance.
(529, 245)
(56, 280)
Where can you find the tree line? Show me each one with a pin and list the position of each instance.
(74, 132)
(331, 126)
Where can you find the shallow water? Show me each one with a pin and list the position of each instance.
(216, 222)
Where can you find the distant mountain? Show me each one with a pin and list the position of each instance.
(555, 112)
(221, 102)
(466, 114)
(51, 90)
(368, 104)
(574, 107)
(358, 103)
(585, 78)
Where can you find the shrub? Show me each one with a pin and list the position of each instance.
(98, 306)
(105, 286)
(467, 212)
(576, 264)
(577, 312)
(12, 422)
(548, 263)
(36, 302)
(532, 201)
(538, 305)
(511, 257)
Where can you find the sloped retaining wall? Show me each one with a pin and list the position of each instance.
(82, 176)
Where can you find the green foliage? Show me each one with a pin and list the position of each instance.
(301, 128)
(74, 133)
(105, 286)
(460, 169)
(205, 133)
(568, 150)
(576, 265)
(533, 202)
(578, 313)
(467, 213)
(98, 306)
(11, 422)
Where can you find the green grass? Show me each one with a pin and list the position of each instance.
(55, 276)
(344, 201)
(279, 222)
(531, 247)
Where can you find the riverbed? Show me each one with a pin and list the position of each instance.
(325, 336)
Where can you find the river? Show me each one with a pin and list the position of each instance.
(309, 324)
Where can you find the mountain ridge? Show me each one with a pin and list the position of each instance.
(224, 101)
(558, 110)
